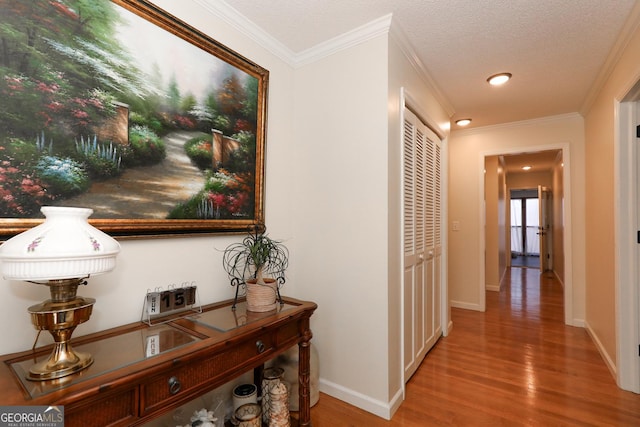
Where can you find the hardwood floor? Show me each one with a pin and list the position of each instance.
(517, 364)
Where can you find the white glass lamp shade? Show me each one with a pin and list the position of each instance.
(64, 246)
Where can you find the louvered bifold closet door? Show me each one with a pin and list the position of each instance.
(428, 300)
(409, 244)
(420, 206)
(437, 227)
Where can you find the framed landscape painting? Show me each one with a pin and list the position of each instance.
(117, 106)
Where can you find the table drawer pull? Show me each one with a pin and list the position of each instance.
(260, 346)
(174, 385)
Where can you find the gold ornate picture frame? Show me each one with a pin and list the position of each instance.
(118, 106)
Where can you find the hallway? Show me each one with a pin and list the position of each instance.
(517, 364)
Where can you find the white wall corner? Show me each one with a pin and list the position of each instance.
(366, 403)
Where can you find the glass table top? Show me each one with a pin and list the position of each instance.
(225, 319)
(135, 346)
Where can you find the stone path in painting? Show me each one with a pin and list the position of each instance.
(149, 192)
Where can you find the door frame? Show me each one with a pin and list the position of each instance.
(546, 238)
(567, 229)
(627, 274)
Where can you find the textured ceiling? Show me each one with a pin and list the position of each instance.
(555, 49)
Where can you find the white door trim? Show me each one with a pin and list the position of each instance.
(568, 224)
(626, 247)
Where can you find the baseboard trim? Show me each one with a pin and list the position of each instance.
(555, 273)
(603, 352)
(578, 323)
(395, 403)
(367, 403)
(466, 305)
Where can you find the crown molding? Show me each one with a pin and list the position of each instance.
(517, 124)
(381, 26)
(627, 32)
(247, 27)
(398, 35)
(239, 22)
(344, 41)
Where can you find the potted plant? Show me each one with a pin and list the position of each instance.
(258, 263)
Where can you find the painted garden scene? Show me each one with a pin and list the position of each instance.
(101, 108)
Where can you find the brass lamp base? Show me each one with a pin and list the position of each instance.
(63, 361)
(60, 315)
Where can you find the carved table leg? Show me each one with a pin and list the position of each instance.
(304, 371)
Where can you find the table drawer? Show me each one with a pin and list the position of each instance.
(193, 374)
(287, 333)
(108, 409)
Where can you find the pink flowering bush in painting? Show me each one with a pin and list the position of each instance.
(21, 193)
(46, 104)
(222, 204)
(228, 194)
(225, 195)
(184, 122)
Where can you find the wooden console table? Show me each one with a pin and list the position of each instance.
(141, 372)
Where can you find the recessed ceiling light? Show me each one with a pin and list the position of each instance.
(463, 122)
(526, 168)
(499, 79)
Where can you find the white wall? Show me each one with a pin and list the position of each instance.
(468, 148)
(340, 185)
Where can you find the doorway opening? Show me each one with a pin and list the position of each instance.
(525, 223)
(554, 198)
